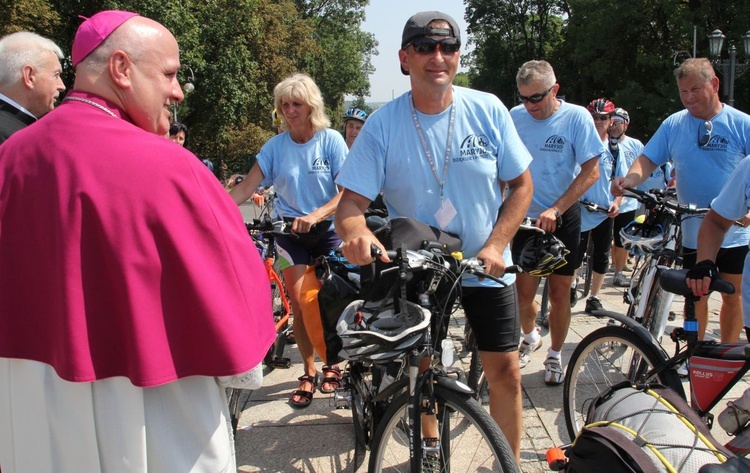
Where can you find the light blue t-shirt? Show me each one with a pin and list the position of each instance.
(485, 150)
(732, 203)
(599, 192)
(557, 143)
(702, 171)
(630, 149)
(302, 174)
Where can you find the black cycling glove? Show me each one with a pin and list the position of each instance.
(704, 269)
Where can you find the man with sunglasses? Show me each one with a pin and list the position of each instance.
(441, 154)
(706, 142)
(565, 145)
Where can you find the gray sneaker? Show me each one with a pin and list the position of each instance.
(619, 280)
(525, 351)
(553, 372)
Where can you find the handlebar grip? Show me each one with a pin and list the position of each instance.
(514, 269)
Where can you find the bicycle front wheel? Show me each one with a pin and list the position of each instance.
(605, 357)
(469, 441)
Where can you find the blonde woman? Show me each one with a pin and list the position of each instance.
(301, 163)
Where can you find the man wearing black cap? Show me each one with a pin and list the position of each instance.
(440, 153)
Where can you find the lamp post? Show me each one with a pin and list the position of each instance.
(187, 88)
(729, 68)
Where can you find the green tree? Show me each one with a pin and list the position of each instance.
(507, 33)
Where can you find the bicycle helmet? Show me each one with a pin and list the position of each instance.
(542, 254)
(622, 113)
(355, 114)
(601, 107)
(640, 239)
(371, 333)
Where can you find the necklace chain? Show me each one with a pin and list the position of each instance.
(92, 103)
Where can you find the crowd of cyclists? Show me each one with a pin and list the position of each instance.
(461, 161)
(600, 160)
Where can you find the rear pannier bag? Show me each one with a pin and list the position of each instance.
(645, 428)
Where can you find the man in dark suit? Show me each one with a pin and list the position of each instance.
(30, 80)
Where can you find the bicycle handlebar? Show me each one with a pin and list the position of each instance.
(664, 199)
(421, 260)
(594, 207)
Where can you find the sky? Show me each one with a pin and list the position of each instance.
(386, 19)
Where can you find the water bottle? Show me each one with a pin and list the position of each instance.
(446, 357)
(735, 416)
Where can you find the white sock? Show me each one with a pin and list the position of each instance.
(532, 338)
(554, 354)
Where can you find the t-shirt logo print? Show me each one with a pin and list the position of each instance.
(717, 143)
(473, 147)
(321, 164)
(554, 144)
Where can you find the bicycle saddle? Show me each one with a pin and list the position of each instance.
(674, 281)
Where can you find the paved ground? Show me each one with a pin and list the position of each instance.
(274, 437)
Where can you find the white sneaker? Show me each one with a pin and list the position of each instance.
(553, 372)
(525, 351)
(682, 370)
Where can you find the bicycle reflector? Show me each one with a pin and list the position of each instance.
(641, 239)
(542, 254)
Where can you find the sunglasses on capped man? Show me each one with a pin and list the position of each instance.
(428, 45)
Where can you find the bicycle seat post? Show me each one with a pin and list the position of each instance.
(690, 325)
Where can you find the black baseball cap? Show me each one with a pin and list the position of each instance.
(418, 26)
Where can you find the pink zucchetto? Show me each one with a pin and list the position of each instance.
(93, 31)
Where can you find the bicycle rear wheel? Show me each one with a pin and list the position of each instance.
(605, 357)
(469, 440)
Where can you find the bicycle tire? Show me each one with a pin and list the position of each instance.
(544, 306)
(473, 439)
(237, 399)
(657, 308)
(365, 414)
(602, 359)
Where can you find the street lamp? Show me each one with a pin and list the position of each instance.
(187, 88)
(730, 68)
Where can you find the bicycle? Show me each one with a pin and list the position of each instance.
(263, 233)
(392, 414)
(656, 243)
(627, 351)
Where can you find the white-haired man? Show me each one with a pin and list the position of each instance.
(30, 81)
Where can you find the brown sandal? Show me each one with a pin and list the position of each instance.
(305, 397)
(331, 376)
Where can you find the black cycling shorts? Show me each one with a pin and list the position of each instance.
(492, 313)
(569, 233)
(728, 260)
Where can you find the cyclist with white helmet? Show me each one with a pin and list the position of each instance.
(354, 118)
(598, 225)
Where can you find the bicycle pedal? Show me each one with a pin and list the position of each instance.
(342, 398)
(431, 445)
(281, 363)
